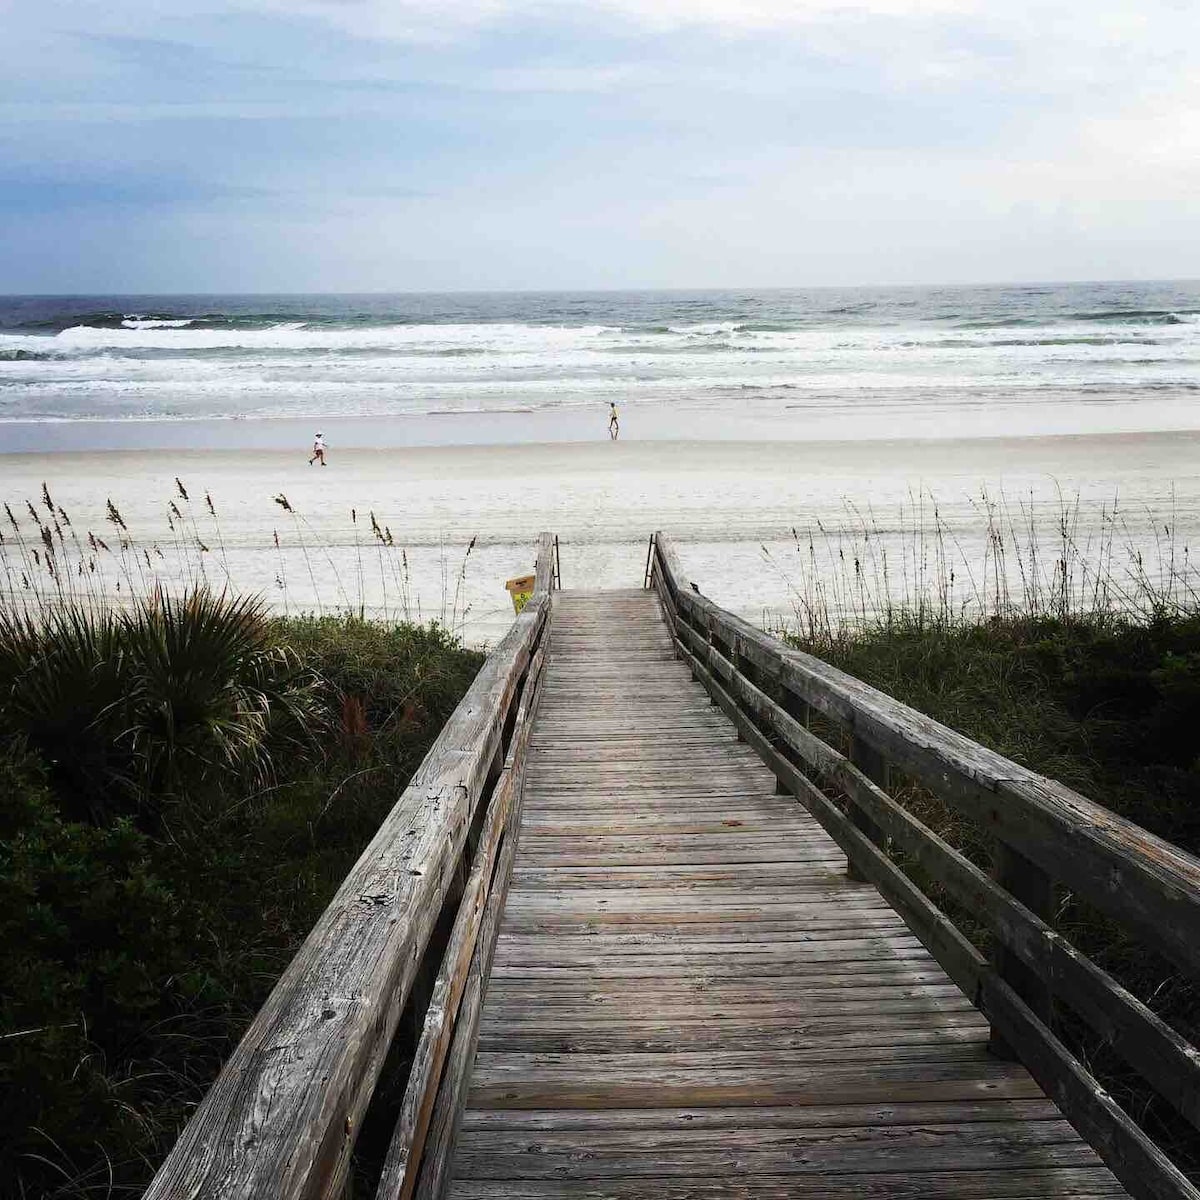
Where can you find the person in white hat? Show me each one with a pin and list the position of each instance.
(318, 449)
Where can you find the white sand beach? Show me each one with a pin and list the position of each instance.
(733, 506)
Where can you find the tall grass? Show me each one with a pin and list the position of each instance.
(47, 561)
(186, 775)
(1023, 558)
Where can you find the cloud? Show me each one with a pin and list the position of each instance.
(546, 143)
(427, 19)
(734, 16)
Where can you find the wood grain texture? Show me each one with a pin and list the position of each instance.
(714, 646)
(282, 1117)
(1042, 1183)
(400, 1172)
(1148, 1044)
(688, 995)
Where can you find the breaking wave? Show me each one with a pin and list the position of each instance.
(181, 357)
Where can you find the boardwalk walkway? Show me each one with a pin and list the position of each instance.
(690, 999)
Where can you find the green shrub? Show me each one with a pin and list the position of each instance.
(87, 935)
(1107, 707)
(141, 929)
(128, 707)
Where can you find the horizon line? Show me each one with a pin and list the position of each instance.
(524, 291)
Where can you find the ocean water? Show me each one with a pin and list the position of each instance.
(515, 367)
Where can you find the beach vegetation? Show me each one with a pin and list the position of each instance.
(184, 782)
(129, 707)
(346, 564)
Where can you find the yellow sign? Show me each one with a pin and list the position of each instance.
(521, 588)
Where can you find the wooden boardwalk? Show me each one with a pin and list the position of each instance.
(689, 998)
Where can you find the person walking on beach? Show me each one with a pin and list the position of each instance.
(614, 426)
(318, 449)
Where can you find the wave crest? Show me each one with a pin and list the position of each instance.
(136, 321)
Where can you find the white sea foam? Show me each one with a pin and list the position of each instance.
(297, 335)
(705, 327)
(188, 367)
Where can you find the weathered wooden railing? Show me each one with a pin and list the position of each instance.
(1045, 835)
(282, 1118)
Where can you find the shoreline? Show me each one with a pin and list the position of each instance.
(870, 420)
(716, 448)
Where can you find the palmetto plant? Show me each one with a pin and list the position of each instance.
(211, 690)
(130, 707)
(64, 681)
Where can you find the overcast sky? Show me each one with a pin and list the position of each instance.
(293, 145)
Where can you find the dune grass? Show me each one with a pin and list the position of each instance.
(351, 565)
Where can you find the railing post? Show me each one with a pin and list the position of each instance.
(710, 641)
(1029, 884)
(735, 659)
(797, 709)
(875, 767)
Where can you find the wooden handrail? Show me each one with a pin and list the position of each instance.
(1139, 879)
(282, 1117)
(1144, 883)
(546, 573)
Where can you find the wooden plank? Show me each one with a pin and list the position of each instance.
(661, 974)
(677, 853)
(757, 1000)
(702, 941)
(762, 1003)
(796, 960)
(557, 858)
(797, 922)
(398, 1176)
(614, 904)
(769, 1035)
(742, 876)
(718, 1154)
(821, 1083)
(448, 1105)
(1067, 1183)
(661, 822)
(813, 1116)
(732, 1064)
